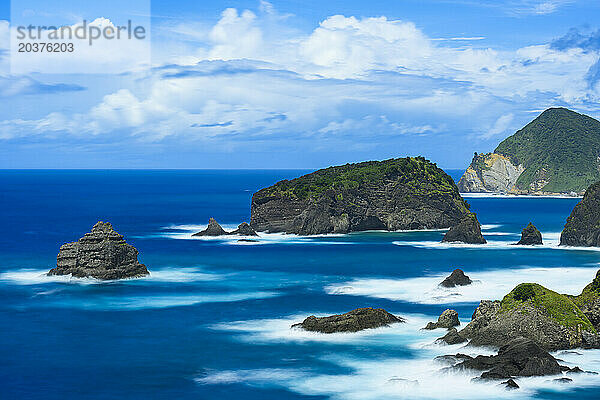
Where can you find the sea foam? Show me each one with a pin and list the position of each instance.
(491, 285)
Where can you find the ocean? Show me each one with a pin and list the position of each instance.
(213, 319)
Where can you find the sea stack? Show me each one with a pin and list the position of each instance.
(456, 278)
(397, 194)
(468, 230)
(101, 254)
(213, 229)
(583, 225)
(353, 321)
(530, 236)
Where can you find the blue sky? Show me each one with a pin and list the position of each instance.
(301, 84)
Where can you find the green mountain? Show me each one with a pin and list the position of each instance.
(557, 152)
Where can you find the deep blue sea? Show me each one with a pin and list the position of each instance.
(212, 321)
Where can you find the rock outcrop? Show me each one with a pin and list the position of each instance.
(530, 236)
(583, 225)
(448, 319)
(244, 229)
(213, 229)
(456, 278)
(452, 337)
(353, 321)
(552, 320)
(397, 194)
(468, 230)
(101, 254)
(589, 302)
(520, 357)
(490, 172)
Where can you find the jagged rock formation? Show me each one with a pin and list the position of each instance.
(101, 254)
(583, 225)
(244, 229)
(519, 357)
(213, 229)
(448, 319)
(403, 193)
(555, 153)
(452, 337)
(456, 278)
(530, 236)
(552, 320)
(353, 321)
(468, 230)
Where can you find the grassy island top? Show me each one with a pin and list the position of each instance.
(558, 307)
(416, 173)
(562, 144)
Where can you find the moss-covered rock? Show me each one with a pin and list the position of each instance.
(352, 321)
(551, 319)
(396, 194)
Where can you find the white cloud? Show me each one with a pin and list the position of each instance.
(500, 126)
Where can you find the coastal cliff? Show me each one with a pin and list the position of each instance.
(555, 153)
(396, 194)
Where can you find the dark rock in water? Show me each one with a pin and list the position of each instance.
(452, 337)
(530, 236)
(530, 310)
(248, 241)
(562, 380)
(468, 231)
(452, 359)
(101, 254)
(244, 229)
(456, 278)
(395, 194)
(583, 225)
(213, 229)
(448, 319)
(353, 321)
(520, 357)
(510, 384)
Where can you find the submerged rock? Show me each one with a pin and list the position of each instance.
(583, 225)
(448, 319)
(101, 254)
(468, 231)
(456, 278)
(213, 229)
(530, 236)
(244, 229)
(353, 321)
(519, 357)
(395, 194)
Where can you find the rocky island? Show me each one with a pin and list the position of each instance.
(583, 225)
(101, 254)
(353, 321)
(555, 153)
(456, 278)
(215, 229)
(396, 194)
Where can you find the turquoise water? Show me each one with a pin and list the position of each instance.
(213, 319)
